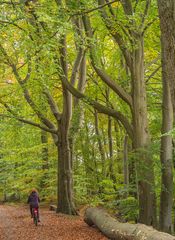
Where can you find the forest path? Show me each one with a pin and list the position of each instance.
(16, 224)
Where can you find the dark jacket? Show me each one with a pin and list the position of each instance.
(33, 200)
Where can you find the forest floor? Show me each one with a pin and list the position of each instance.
(16, 224)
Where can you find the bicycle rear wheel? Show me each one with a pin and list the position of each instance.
(35, 219)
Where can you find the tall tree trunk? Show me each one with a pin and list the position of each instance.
(65, 179)
(78, 113)
(166, 198)
(167, 25)
(125, 163)
(45, 154)
(110, 143)
(101, 149)
(45, 160)
(65, 185)
(65, 164)
(111, 155)
(104, 142)
(145, 170)
(118, 134)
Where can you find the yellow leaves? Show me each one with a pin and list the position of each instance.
(150, 54)
(4, 34)
(116, 4)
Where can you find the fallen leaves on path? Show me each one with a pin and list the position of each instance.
(16, 224)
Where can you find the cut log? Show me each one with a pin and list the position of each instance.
(113, 229)
(53, 208)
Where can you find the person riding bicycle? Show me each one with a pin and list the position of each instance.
(33, 201)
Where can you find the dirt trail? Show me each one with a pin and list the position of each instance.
(16, 224)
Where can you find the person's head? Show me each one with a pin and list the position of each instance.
(33, 190)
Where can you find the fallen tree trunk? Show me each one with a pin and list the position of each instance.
(113, 229)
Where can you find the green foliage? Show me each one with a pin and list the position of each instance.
(22, 164)
(128, 209)
(81, 185)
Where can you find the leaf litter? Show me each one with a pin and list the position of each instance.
(16, 224)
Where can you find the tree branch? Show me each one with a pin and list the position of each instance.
(110, 8)
(115, 87)
(76, 66)
(82, 79)
(53, 106)
(100, 108)
(14, 115)
(127, 6)
(10, 3)
(105, 78)
(12, 23)
(149, 24)
(22, 83)
(29, 70)
(30, 123)
(153, 73)
(94, 9)
(147, 5)
(111, 27)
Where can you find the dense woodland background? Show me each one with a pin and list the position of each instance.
(87, 105)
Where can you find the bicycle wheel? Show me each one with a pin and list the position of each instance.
(35, 219)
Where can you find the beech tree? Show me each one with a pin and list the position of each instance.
(59, 123)
(136, 101)
(167, 21)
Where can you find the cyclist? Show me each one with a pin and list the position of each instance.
(33, 201)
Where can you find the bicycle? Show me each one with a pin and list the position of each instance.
(35, 216)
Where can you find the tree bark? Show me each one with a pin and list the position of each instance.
(125, 162)
(78, 113)
(45, 153)
(167, 26)
(120, 231)
(111, 154)
(166, 198)
(45, 160)
(100, 145)
(141, 141)
(65, 185)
